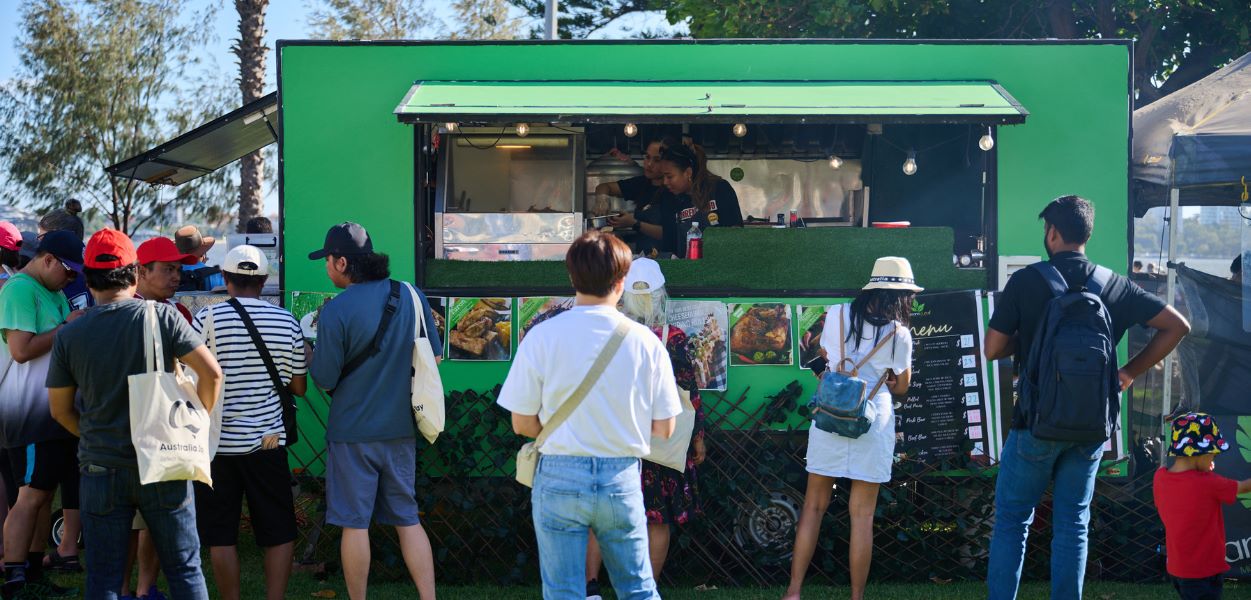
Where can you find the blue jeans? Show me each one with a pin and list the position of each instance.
(574, 494)
(1027, 465)
(110, 497)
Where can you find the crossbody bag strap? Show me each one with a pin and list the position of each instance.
(597, 369)
(375, 346)
(284, 395)
(153, 356)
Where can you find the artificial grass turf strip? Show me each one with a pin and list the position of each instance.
(756, 259)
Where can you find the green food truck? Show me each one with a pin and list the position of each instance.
(475, 164)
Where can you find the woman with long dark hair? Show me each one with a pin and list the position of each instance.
(872, 329)
(699, 196)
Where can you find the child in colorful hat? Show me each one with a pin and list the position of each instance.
(1188, 496)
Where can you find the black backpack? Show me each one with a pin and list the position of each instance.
(197, 280)
(1069, 388)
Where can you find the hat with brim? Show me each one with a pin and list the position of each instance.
(344, 239)
(1196, 434)
(893, 273)
(65, 246)
(188, 240)
(644, 277)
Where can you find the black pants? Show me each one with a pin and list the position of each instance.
(1208, 588)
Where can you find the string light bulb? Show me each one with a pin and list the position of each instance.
(740, 130)
(835, 162)
(910, 165)
(987, 142)
(450, 126)
(631, 130)
(523, 129)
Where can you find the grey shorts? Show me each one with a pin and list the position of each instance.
(375, 480)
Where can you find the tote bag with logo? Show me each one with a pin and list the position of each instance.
(427, 387)
(672, 452)
(169, 426)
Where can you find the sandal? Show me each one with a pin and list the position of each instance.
(55, 562)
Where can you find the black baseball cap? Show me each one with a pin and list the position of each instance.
(345, 239)
(65, 246)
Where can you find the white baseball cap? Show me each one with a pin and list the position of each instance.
(644, 277)
(246, 260)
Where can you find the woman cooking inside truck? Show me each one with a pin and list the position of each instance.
(698, 197)
(648, 193)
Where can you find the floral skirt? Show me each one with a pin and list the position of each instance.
(671, 497)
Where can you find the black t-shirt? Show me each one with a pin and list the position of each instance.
(1019, 308)
(723, 211)
(649, 202)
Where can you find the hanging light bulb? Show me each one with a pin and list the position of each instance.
(631, 130)
(835, 162)
(910, 165)
(740, 130)
(987, 142)
(450, 126)
(523, 129)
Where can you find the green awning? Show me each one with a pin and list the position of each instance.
(715, 102)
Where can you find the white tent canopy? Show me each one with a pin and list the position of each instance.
(1197, 140)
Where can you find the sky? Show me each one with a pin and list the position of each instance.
(285, 19)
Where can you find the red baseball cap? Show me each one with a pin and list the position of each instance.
(10, 236)
(162, 249)
(109, 249)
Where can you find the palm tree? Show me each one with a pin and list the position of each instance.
(250, 49)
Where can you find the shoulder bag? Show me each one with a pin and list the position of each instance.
(673, 452)
(427, 387)
(528, 456)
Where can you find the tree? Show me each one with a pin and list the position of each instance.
(1177, 42)
(100, 81)
(369, 19)
(484, 20)
(250, 50)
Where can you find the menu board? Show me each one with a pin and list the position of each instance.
(946, 405)
(480, 328)
(705, 325)
(760, 334)
(532, 311)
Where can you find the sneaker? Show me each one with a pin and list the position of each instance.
(153, 594)
(592, 590)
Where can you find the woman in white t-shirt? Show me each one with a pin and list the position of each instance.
(877, 319)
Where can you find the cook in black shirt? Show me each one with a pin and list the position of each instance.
(698, 196)
(1068, 222)
(648, 194)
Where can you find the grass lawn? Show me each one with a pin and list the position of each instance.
(305, 586)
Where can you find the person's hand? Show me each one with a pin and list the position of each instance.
(701, 451)
(1125, 378)
(622, 221)
(74, 315)
(270, 441)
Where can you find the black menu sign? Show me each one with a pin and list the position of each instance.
(946, 404)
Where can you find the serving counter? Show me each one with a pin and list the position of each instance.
(825, 262)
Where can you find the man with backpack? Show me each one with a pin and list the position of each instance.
(364, 355)
(1061, 321)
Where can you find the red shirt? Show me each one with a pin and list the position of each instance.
(182, 310)
(1194, 528)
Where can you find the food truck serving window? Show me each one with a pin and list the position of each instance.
(503, 172)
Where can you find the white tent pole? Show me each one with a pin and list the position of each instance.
(1174, 215)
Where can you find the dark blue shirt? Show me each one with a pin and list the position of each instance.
(374, 402)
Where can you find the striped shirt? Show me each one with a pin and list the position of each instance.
(251, 408)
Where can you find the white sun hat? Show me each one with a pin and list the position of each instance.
(892, 273)
(644, 277)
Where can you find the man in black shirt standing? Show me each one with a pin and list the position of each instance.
(1029, 464)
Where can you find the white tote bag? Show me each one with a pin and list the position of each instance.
(168, 425)
(215, 416)
(672, 452)
(427, 387)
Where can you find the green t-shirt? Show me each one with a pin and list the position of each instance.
(25, 305)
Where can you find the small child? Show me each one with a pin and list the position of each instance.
(1189, 496)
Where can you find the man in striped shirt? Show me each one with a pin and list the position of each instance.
(251, 457)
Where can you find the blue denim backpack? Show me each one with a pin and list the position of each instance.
(839, 404)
